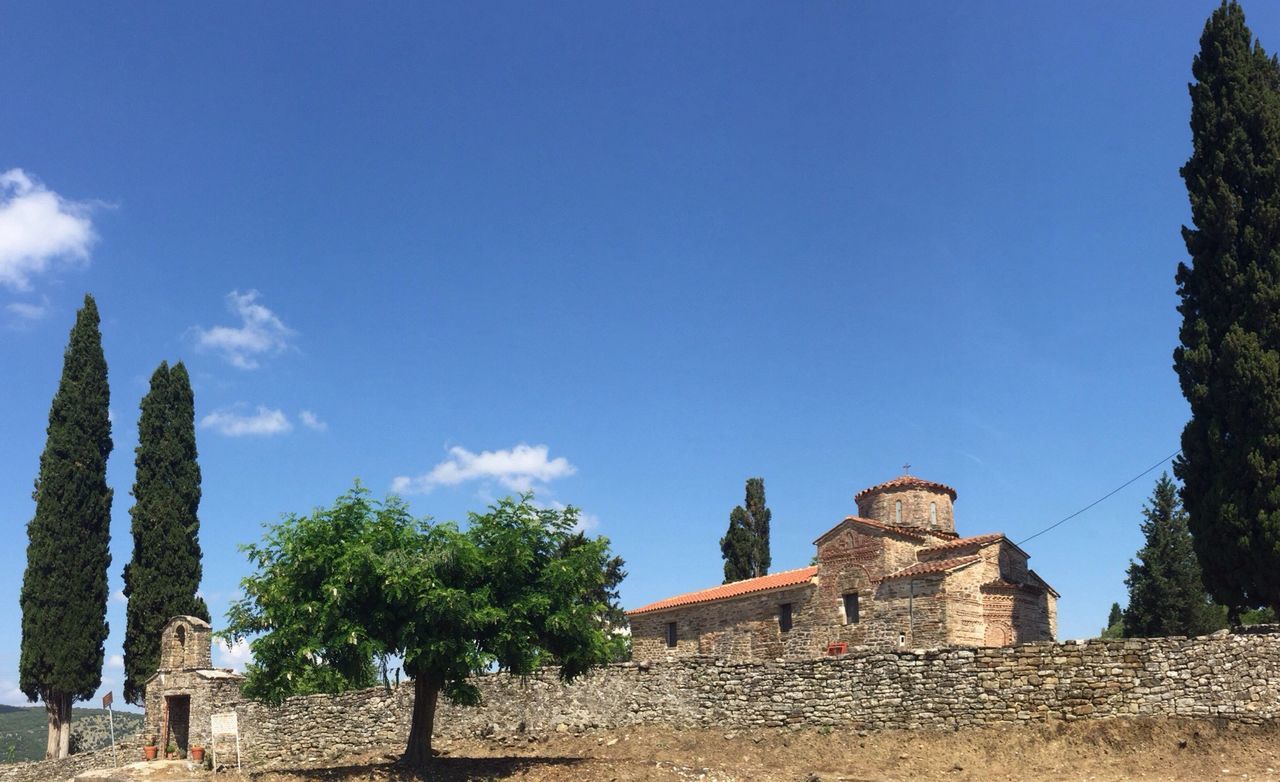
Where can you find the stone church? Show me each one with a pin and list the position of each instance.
(895, 575)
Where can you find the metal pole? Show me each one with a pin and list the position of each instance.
(115, 751)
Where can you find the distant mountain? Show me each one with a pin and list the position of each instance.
(25, 729)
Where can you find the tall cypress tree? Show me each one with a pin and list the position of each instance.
(1166, 593)
(64, 588)
(745, 546)
(1228, 362)
(161, 579)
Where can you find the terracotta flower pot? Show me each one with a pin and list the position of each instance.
(197, 754)
(150, 752)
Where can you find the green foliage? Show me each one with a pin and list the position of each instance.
(613, 621)
(1166, 593)
(1115, 623)
(23, 730)
(1228, 362)
(64, 589)
(364, 579)
(745, 546)
(161, 579)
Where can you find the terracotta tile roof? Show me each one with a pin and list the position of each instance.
(785, 578)
(1000, 583)
(906, 482)
(937, 566)
(909, 532)
(976, 540)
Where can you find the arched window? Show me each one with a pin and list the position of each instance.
(182, 635)
(933, 515)
(897, 512)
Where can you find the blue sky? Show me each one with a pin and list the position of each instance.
(627, 256)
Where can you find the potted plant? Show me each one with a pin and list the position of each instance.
(171, 751)
(150, 750)
(197, 753)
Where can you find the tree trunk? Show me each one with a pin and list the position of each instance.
(64, 728)
(53, 712)
(426, 692)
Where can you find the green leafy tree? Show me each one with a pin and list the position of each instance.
(163, 576)
(613, 620)
(64, 588)
(364, 579)
(1228, 362)
(745, 546)
(1115, 623)
(1166, 593)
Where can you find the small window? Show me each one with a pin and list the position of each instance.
(897, 512)
(933, 515)
(784, 617)
(671, 635)
(851, 608)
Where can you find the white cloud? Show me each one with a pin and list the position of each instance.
(586, 521)
(38, 227)
(260, 333)
(10, 695)
(118, 597)
(115, 662)
(29, 311)
(517, 468)
(229, 656)
(311, 421)
(233, 423)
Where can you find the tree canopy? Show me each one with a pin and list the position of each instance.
(161, 579)
(365, 579)
(64, 589)
(1228, 362)
(1166, 593)
(745, 546)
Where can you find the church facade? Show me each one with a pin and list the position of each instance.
(895, 575)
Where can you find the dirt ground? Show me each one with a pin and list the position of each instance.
(1101, 750)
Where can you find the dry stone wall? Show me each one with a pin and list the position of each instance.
(1234, 677)
(1226, 676)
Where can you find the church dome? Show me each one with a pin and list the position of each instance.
(908, 501)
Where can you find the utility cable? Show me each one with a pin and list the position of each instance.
(1106, 496)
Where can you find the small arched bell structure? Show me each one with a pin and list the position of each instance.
(186, 689)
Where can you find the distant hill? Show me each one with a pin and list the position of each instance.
(24, 730)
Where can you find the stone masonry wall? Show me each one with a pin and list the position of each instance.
(1226, 676)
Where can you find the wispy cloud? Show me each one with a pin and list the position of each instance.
(118, 597)
(260, 333)
(311, 421)
(38, 228)
(27, 311)
(517, 468)
(232, 422)
(10, 695)
(233, 656)
(115, 662)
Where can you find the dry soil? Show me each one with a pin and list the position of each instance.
(1099, 750)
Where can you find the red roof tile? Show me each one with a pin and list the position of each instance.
(906, 482)
(976, 540)
(785, 578)
(909, 532)
(938, 566)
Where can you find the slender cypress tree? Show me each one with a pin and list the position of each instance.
(1116, 614)
(64, 588)
(745, 546)
(1228, 362)
(1166, 593)
(161, 579)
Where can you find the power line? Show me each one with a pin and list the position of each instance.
(1103, 497)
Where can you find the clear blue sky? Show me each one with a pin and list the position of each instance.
(665, 247)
